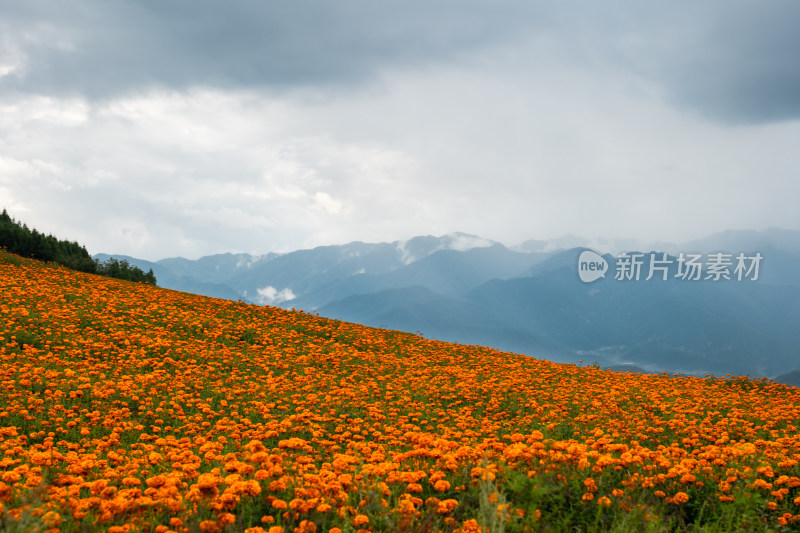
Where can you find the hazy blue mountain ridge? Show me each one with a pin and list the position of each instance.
(529, 298)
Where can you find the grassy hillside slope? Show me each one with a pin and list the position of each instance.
(126, 407)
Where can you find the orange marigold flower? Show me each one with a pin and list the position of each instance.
(765, 471)
(210, 526)
(414, 487)
(279, 504)
(307, 526)
(446, 506)
(441, 485)
(51, 519)
(208, 481)
(156, 481)
(761, 484)
(680, 497)
(471, 526)
(604, 501)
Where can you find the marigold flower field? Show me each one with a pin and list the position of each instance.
(126, 407)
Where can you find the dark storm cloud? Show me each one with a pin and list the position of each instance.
(104, 48)
(731, 61)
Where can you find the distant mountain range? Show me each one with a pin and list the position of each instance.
(530, 299)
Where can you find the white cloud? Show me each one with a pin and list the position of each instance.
(405, 254)
(463, 242)
(247, 261)
(269, 295)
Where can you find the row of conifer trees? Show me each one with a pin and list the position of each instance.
(18, 239)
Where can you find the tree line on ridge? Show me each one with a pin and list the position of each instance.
(18, 239)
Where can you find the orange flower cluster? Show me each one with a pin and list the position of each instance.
(126, 406)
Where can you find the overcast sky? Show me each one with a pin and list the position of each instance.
(183, 128)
